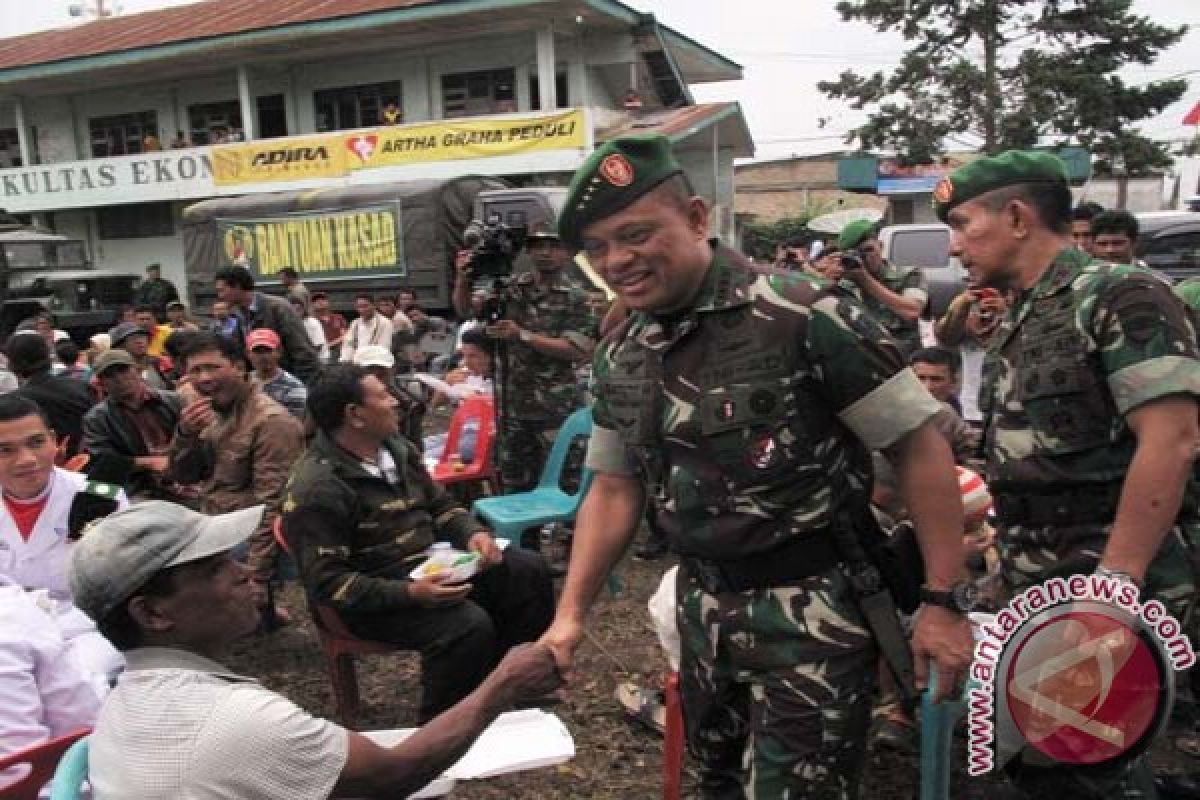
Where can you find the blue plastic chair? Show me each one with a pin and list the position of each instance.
(937, 736)
(509, 515)
(71, 773)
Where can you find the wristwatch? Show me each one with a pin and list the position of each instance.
(1105, 572)
(960, 597)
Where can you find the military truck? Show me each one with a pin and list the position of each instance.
(42, 271)
(376, 239)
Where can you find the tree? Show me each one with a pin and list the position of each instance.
(1016, 73)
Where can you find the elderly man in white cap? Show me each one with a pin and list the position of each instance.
(380, 362)
(160, 580)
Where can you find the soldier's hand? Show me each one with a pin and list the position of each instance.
(504, 329)
(485, 545)
(563, 637)
(943, 637)
(528, 672)
(197, 416)
(462, 263)
(434, 592)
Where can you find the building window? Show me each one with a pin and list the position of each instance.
(138, 221)
(122, 134)
(560, 89)
(213, 123)
(490, 91)
(272, 116)
(355, 106)
(10, 148)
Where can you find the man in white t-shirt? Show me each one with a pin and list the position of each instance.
(370, 328)
(160, 580)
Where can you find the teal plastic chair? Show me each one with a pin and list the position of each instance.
(511, 514)
(71, 773)
(937, 736)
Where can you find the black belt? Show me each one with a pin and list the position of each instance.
(811, 554)
(1081, 506)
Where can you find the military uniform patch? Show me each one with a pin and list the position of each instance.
(764, 453)
(944, 191)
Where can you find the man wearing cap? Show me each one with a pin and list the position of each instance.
(262, 348)
(360, 513)
(156, 291)
(895, 296)
(161, 581)
(236, 441)
(376, 360)
(135, 339)
(548, 329)
(745, 405)
(1090, 411)
(134, 423)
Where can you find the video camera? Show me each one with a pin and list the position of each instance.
(493, 246)
(852, 259)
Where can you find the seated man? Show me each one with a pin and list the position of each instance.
(40, 513)
(360, 513)
(161, 582)
(134, 423)
(237, 442)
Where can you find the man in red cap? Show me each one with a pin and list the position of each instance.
(263, 349)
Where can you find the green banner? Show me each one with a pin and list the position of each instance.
(317, 244)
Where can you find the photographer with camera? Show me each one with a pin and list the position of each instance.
(896, 297)
(546, 328)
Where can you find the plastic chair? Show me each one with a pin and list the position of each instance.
(448, 471)
(34, 766)
(937, 735)
(673, 738)
(339, 646)
(509, 515)
(72, 772)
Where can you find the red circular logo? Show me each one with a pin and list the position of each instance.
(1084, 688)
(617, 170)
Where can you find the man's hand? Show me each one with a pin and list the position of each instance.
(563, 637)
(944, 637)
(528, 672)
(435, 592)
(197, 416)
(485, 545)
(505, 329)
(158, 464)
(462, 264)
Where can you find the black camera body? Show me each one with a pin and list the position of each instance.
(493, 246)
(852, 259)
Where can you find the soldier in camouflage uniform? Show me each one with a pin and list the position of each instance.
(745, 405)
(548, 328)
(1089, 402)
(895, 296)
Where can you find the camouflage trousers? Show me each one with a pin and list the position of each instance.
(776, 688)
(1030, 556)
(524, 447)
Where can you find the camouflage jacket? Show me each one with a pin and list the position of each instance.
(356, 537)
(1081, 349)
(750, 416)
(539, 386)
(901, 281)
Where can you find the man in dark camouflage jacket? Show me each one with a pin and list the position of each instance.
(745, 406)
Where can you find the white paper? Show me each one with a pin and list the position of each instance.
(456, 392)
(516, 741)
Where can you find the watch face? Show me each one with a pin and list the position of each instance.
(965, 596)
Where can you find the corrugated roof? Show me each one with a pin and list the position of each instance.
(202, 20)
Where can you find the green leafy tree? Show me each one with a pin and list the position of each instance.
(1015, 73)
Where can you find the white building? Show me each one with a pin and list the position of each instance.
(82, 108)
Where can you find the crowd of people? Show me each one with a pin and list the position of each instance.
(768, 425)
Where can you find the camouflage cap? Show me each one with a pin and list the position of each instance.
(619, 172)
(853, 234)
(995, 172)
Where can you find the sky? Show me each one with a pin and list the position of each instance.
(785, 48)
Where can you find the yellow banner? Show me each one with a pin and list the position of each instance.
(449, 140)
(276, 160)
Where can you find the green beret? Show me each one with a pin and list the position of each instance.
(613, 177)
(995, 172)
(853, 234)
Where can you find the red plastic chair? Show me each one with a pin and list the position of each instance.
(673, 740)
(481, 468)
(340, 646)
(34, 766)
